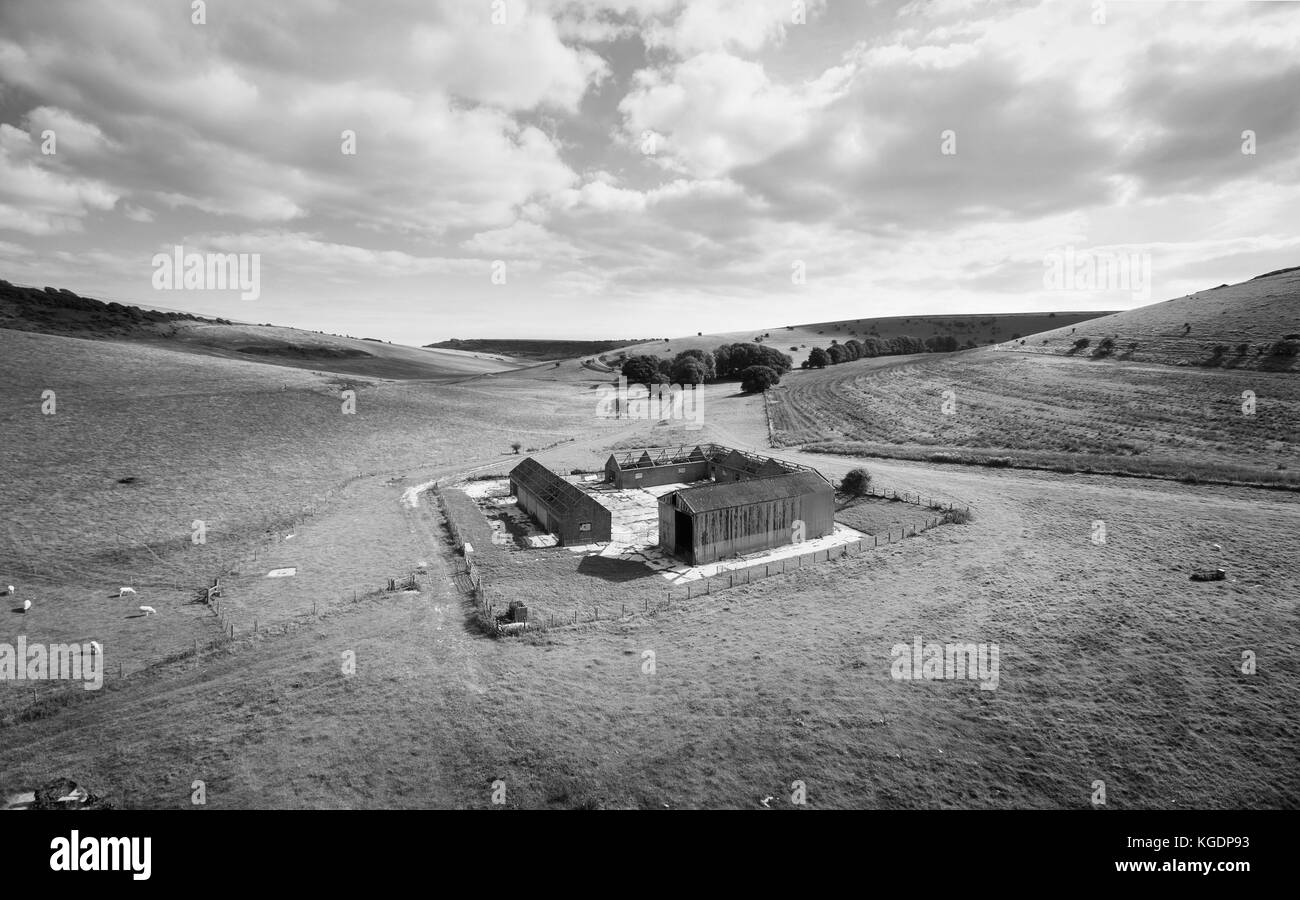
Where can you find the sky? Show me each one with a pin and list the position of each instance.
(608, 169)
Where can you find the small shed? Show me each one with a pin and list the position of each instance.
(730, 518)
(562, 508)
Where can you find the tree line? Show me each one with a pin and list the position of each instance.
(872, 346)
(758, 367)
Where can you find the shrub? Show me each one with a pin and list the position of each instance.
(958, 517)
(515, 445)
(856, 482)
(818, 358)
(756, 379)
(1285, 348)
(1081, 343)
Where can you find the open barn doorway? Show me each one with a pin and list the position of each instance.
(683, 534)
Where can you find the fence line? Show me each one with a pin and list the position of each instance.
(759, 571)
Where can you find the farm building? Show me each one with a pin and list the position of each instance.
(571, 514)
(681, 465)
(656, 465)
(729, 518)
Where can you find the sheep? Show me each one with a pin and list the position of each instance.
(148, 610)
(27, 604)
(96, 649)
(1216, 546)
(10, 592)
(123, 591)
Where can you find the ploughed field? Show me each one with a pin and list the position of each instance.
(1043, 411)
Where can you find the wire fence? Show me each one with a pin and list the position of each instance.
(746, 574)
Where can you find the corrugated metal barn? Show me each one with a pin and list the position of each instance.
(571, 514)
(729, 518)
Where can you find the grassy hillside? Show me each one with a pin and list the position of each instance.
(1046, 411)
(798, 340)
(542, 351)
(1236, 326)
(144, 441)
(62, 312)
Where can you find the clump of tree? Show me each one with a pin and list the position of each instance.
(818, 359)
(905, 343)
(642, 369)
(733, 359)
(856, 483)
(756, 379)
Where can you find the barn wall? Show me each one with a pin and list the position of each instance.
(565, 525)
(675, 473)
(667, 523)
(588, 511)
(760, 526)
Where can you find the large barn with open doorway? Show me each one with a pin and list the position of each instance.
(570, 513)
(747, 513)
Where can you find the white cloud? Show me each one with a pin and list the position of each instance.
(38, 199)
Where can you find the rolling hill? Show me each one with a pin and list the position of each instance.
(539, 350)
(1156, 391)
(798, 340)
(1237, 326)
(63, 313)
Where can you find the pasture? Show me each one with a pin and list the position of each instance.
(1114, 665)
(1049, 412)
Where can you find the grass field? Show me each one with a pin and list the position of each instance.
(1114, 665)
(1049, 411)
(1233, 326)
(145, 441)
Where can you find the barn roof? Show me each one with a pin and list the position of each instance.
(549, 487)
(737, 460)
(726, 494)
(642, 458)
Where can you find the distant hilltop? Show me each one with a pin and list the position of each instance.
(540, 350)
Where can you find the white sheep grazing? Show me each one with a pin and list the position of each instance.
(148, 610)
(27, 604)
(1216, 546)
(11, 590)
(123, 591)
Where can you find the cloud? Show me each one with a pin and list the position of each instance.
(717, 112)
(37, 198)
